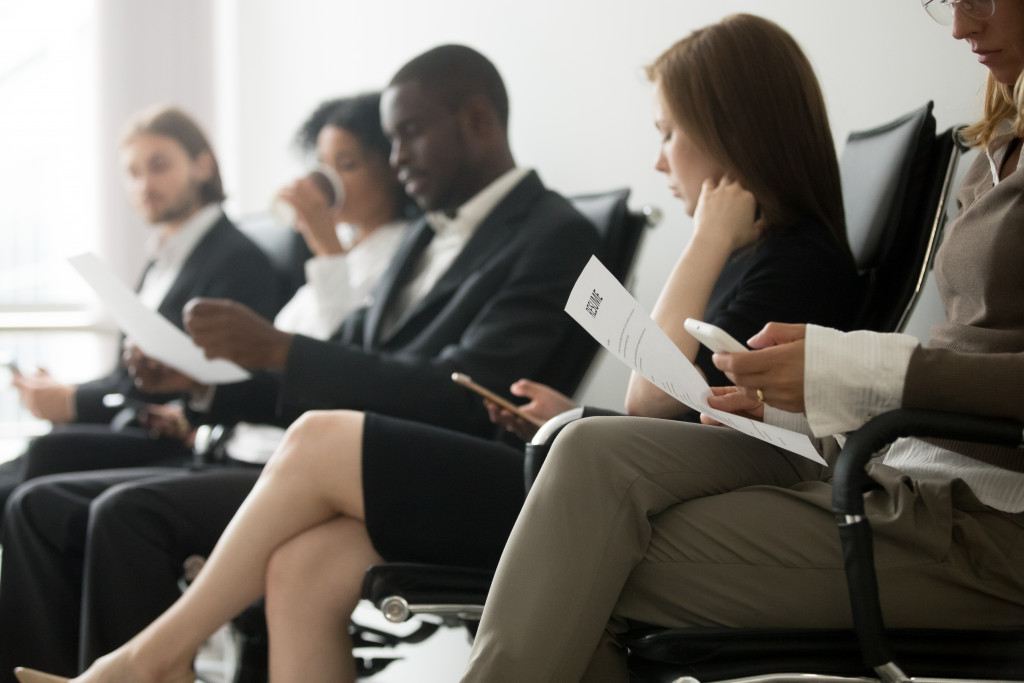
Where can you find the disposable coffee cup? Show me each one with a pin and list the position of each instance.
(327, 182)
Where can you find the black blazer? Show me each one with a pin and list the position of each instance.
(496, 315)
(225, 264)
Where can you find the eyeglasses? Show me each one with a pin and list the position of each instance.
(942, 10)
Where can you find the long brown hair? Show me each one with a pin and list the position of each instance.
(1002, 103)
(745, 92)
(173, 123)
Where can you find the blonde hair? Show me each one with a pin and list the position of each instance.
(745, 92)
(1002, 103)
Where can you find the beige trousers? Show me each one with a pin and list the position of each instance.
(681, 525)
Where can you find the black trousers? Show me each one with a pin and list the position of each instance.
(89, 559)
(82, 447)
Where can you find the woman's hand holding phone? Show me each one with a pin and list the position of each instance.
(523, 420)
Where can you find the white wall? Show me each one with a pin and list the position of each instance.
(580, 103)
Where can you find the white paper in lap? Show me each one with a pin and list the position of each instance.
(150, 331)
(603, 307)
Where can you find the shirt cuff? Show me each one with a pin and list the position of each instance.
(794, 422)
(851, 376)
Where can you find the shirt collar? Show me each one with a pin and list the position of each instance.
(477, 207)
(184, 239)
(998, 147)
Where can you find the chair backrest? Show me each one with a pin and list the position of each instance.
(620, 232)
(895, 180)
(285, 247)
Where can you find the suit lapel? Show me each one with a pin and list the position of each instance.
(395, 277)
(492, 235)
(196, 263)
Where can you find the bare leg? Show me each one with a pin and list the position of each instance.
(313, 584)
(315, 476)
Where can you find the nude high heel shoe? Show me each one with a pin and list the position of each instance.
(33, 676)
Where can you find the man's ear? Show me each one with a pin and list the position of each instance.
(479, 117)
(204, 165)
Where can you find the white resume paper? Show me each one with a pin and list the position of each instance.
(606, 310)
(150, 331)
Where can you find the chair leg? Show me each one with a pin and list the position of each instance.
(251, 666)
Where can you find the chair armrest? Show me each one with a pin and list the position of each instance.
(549, 429)
(537, 450)
(854, 528)
(887, 427)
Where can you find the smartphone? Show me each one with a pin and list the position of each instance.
(715, 338)
(465, 381)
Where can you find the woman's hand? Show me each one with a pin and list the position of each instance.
(733, 400)
(45, 397)
(545, 403)
(726, 214)
(316, 220)
(776, 369)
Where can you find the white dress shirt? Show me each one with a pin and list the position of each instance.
(451, 235)
(169, 254)
(338, 284)
(851, 376)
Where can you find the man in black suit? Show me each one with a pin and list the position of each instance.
(479, 288)
(172, 177)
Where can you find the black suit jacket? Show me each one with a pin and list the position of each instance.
(225, 264)
(496, 315)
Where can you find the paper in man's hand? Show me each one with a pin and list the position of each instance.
(150, 331)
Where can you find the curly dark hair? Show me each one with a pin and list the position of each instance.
(360, 116)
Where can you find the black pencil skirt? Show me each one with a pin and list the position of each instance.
(438, 496)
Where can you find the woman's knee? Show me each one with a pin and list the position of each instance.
(40, 508)
(589, 443)
(316, 433)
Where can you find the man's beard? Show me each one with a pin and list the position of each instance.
(186, 205)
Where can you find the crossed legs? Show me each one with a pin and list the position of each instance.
(307, 503)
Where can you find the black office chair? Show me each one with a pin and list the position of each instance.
(896, 179)
(844, 655)
(620, 231)
(285, 247)
(620, 234)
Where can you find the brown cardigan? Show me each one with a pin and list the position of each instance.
(974, 362)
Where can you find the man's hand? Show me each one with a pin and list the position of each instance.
(227, 329)
(45, 397)
(168, 422)
(776, 369)
(156, 378)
